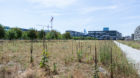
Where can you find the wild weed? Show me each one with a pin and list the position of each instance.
(105, 54)
(55, 68)
(44, 60)
(68, 59)
(89, 58)
(80, 56)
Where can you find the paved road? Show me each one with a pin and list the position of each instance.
(133, 55)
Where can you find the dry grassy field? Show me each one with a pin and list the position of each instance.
(133, 44)
(66, 59)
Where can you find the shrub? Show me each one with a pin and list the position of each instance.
(67, 35)
(54, 35)
(11, 34)
(25, 35)
(32, 34)
(18, 32)
(41, 34)
(2, 31)
(14, 33)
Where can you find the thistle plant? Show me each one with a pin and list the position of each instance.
(45, 54)
(44, 59)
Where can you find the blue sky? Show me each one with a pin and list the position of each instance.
(120, 15)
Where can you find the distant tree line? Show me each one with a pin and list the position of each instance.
(84, 38)
(17, 33)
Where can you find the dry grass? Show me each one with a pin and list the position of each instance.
(15, 58)
(133, 44)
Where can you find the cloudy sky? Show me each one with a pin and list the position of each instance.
(120, 15)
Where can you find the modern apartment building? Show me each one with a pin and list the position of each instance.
(106, 34)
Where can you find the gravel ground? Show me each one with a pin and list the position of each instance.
(133, 55)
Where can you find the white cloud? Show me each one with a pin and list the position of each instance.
(54, 3)
(92, 9)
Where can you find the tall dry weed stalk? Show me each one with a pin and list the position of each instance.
(111, 74)
(96, 61)
(45, 56)
(72, 47)
(31, 51)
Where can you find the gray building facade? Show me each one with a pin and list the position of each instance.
(105, 35)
